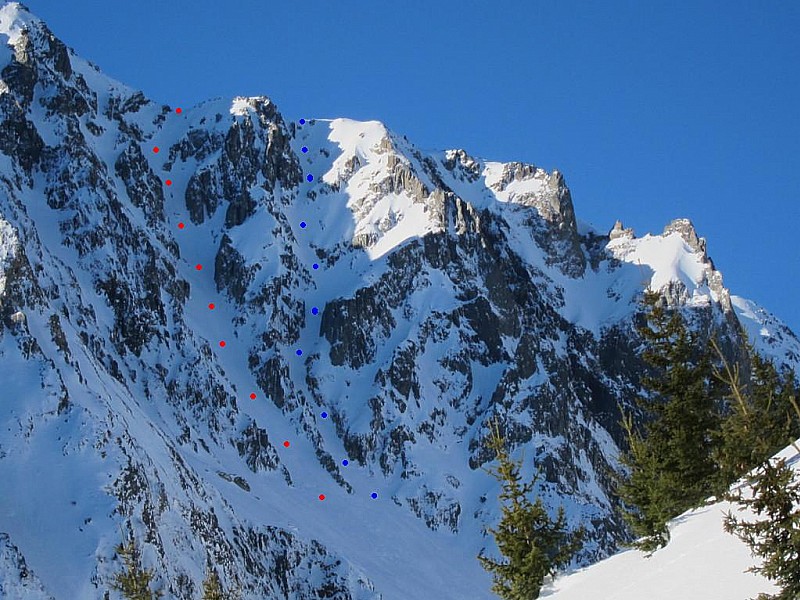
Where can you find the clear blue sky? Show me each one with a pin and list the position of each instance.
(653, 110)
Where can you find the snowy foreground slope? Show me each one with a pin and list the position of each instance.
(701, 562)
(213, 317)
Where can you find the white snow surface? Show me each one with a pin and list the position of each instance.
(8, 245)
(13, 19)
(701, 562)
(669, 259)
(769, 335)
(365, 150)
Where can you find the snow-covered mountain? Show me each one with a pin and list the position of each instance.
(375, 306)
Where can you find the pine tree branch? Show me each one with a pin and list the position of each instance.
(731, 377)
(796, 407)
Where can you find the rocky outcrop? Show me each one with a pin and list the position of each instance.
(685, 229)
(552, 223)
(253, 156)
(711, 277)
(18, 580)
(620, 231)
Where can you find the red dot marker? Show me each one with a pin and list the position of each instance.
(222, 344)
(181, 225)
(286, 444)
(179, 110)
(211, 306)
(156, 149)
(199, 267)
(322, 496)
(252, 396)
(168, 182)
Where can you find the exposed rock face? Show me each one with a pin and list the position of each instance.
(685, 229)
(22, 582)
(619, 231)
(254, 157)
(448, 291)
(711, 277)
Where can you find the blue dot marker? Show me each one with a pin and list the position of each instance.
(302, 121)
(345, 462)
(302, 224)
(310, 177)
(314, 311)
(304, 149)
(324, 415)
(315, 266)
(374, 495)
(299, 352)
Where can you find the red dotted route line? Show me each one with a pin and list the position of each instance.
(212, 306)
(182, 225)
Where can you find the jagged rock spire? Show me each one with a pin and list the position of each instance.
(619, 231)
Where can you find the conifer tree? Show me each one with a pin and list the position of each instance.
(775, 538)
(760, 420)
(533, 545)
(648, 511)
(134, 582)
(670, 457)
(212, 588)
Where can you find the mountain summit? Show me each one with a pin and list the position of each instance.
(274, 347)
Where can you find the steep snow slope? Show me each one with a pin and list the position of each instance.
(767, 332)
(447, 291)
(701, 562)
